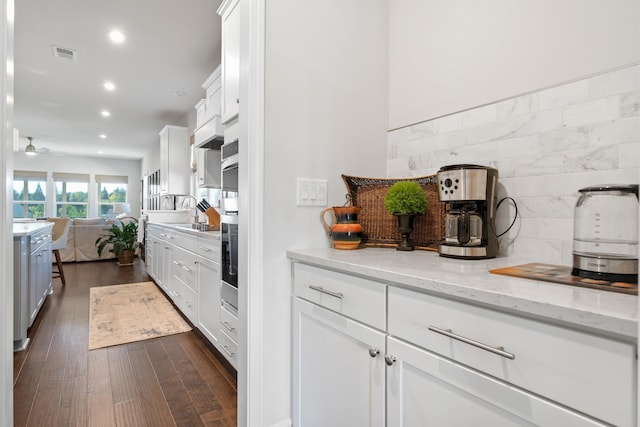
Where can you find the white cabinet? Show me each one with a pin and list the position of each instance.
(338, 366)
(40, 275)
(230, 14)
(209, 298)
(208, 175)
(174, 160)
(424, 388)
(339, 371)
(32, 278)
(448, 362)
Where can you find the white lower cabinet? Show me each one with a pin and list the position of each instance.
(425, 389)
(339, 371)
(209, 298)
(443, 362)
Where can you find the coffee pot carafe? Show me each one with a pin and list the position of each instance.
(469, 192)
(464, 226)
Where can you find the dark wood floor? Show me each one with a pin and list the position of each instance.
(169, 381)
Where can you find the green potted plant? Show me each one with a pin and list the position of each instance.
(121, 239)
(405, 200)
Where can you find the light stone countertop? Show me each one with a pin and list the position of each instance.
(608, 313)
(22, 229)
(186, 228)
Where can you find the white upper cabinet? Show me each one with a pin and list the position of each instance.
(208, 133)
(230, 13)
(174, 160)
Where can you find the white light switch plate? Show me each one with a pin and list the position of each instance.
(311, 192)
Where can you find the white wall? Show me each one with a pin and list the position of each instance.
(325, 114)
(449, 56)
(88, 165)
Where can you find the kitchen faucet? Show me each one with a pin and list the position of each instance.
(195, 210)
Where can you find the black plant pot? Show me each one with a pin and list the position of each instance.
(405, 225)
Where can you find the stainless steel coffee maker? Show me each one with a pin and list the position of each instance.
(470, 194)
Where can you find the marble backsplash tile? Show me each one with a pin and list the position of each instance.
(546, 145)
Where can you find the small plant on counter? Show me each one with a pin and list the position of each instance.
(406, 197)
(405, 200)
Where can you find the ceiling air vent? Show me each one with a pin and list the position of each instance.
(63, 52)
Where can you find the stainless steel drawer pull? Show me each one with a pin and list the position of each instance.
(185, 268)
(389, 359)
(496, 350)
(228, 326)
(226, 350)
(374, 351)
(324, 291)
(205, 249)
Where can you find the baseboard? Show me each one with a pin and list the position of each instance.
(285, 423)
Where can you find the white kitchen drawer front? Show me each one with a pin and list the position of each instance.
(229, 321)
(586, 372)
(186, 299)
(184, 268)
(208, 248)
(355, 297)
(229, 348)
(425, 389)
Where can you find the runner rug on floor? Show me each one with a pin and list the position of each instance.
(121, 314)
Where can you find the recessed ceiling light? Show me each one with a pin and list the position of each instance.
(105, 113)
(103, 136)
(179, 93)
(109, 86)
(100, 152)
(116, 36)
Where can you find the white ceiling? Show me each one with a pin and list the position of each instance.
(171, 46)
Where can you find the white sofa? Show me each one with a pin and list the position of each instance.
(81, 242)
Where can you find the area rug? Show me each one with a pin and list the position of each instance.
(122, 314)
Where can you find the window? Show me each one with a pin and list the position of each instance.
(29, 194)
(72, 194)
(112, 189)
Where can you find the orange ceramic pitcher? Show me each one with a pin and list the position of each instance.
(346, 232)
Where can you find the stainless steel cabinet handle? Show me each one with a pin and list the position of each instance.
(205, 249)
(185, 268)
(496, 350)
(374, 351)
(389, 360)
(226, 350)
(324, 291)
(228, 326)
(175, 262)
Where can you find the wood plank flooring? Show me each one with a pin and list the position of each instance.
(176, 380)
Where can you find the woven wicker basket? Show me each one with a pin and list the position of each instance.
(380, 228)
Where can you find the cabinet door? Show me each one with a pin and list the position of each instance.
(34, 294)
(208, 168)
(338, 369)
(230, 13)
(209, 298)
(424, 389)
(45, 273)
(164, 161)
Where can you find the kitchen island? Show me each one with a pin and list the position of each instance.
(460, 345)
(32, 275)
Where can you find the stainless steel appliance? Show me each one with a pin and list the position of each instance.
(605, 233)
(470, 194)
(229, 222)
(229, 262)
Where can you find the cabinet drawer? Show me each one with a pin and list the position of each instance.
(229, 348)
(586, 372)
(229, 321)
(355, 297)
(186, 299)
(183, 268)
(208, 248)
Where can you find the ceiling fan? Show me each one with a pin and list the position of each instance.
(31, 149)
